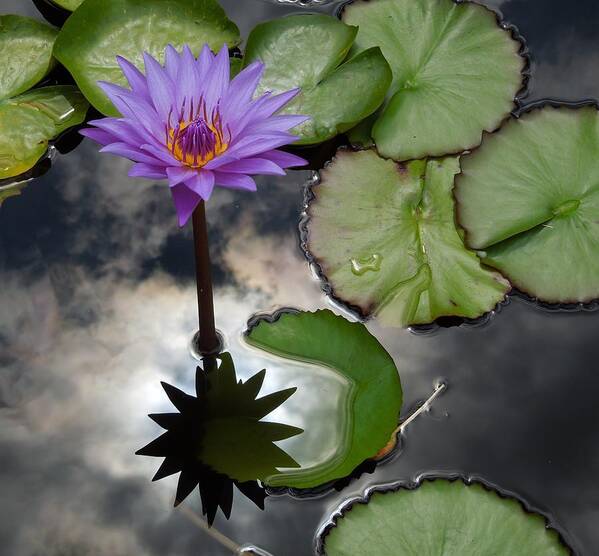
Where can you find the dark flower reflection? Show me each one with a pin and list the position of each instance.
(242, 440)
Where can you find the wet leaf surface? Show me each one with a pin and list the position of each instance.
(385, 239)
(26, 53)
(309, 52)
(28, 122)
(441, 517)
(455, 73)
(529, 198)
(370, 409)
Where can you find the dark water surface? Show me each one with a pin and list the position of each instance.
(97, 306)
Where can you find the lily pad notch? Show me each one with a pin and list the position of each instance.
(394, 252)
(528, 201)
(458, 70)
(534, 530)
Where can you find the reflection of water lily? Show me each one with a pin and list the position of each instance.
(218, 438)
(188, 123)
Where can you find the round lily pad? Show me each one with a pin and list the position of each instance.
(99, 30)
(372, 391)
(456, 72)
(529, 199)
(308, 51)
(29, 121)
(440, 516)
(384, 237)
(26, 53)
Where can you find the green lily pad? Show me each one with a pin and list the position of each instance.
(385, 239)
(100, 30)
(441, 517)
(29, 121)
(456, 72)
(308, 51)
(529, 198)
(26, 53)
(372, 393)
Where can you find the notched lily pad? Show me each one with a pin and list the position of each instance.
(28, 122)
(99, 30)
(456, 71)
(26, 53)
(372, 392)
(439, 516)
(308, 51)
(384, 237)
(529, 199)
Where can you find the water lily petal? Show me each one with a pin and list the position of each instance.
(160, 86)
(127, 151)
(252, 145)
(135, 108)
(185, 202)
(204, 62)
(283, 159)
(235, 181)
(242, 89)
(120, 129)
(275, 123)
(141, 170)
(179, 174)
(97, 135)
(137, 80)
(202, 183)
(189, 85)
(253, 166)
(161, 154)
(217, 79)
(171, 62)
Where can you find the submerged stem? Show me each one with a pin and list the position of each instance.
(208, 341)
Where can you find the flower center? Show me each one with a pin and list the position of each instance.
(198, 137)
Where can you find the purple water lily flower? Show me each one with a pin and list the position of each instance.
(188, 123)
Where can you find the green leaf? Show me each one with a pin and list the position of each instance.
(29, 121)
(455, 73)
(529, 197)
(100, 30)
(442, 517)
(26, 53)
(385, 239)
(307, 51)
(372, 396)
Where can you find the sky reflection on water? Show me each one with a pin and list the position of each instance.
(97, 307)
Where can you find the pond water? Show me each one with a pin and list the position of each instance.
(97, 306)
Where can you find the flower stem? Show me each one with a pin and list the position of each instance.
(208, 341)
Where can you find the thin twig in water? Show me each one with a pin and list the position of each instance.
(439, 389)
(214, 533)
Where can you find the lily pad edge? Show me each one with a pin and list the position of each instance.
(517, 292)
(353, 310)
(467, 480)
(525, 73)
(367, 466)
